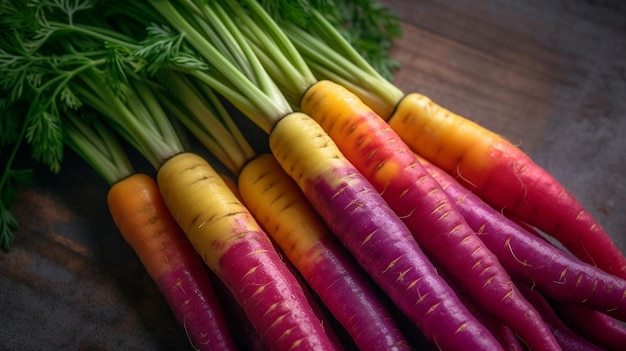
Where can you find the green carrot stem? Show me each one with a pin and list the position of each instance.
(201, 111)
(155, 143)
(274, 48)
(96, 144)
(268, 102)
(333, 58)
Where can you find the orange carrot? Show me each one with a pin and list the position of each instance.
(147, 225)
(506, 177)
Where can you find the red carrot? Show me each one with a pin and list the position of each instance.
(595, 326)
(275, 199)
(532, 259)
(380, 242)
(492, 167)
(568, 340)
(417, 198)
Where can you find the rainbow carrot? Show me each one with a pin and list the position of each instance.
(233, 245)
(506, 177)
(147, 226)
(532, 259)
(321, 314)
(488, 164)
(279, 205)
(374, 235)
(417, 198)
(202, 112)
(79, 82)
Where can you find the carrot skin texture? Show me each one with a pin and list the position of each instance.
(596, 327)
(503, 333)
(568, 340)
(394, 170)
(505, 177)
(147, 225)
(374, 235)
(247, 337)
(279, 205)
(534, 260)
(233, 245)
(327, 320)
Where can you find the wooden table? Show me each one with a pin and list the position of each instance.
(548, 75)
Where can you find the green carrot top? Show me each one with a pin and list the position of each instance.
(57, 56)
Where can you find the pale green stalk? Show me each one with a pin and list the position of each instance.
(97, 146)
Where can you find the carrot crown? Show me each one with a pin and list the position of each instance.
(234, 71)
(97, 145)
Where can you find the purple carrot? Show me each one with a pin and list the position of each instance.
(356, 213)
(569, 340)
(595, 326)
(320, 312)
(327, 267)
(386, 161)
(503, 333)
(532, 259)
(247, 337)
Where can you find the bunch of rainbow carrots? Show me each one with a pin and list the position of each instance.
(368, 216)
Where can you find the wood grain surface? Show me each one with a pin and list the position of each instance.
(548, 75)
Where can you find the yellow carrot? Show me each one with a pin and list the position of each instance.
(146, 224)
(419, 200)
(233, 245)
(485, 162)
(281, 207)
(170, 260)
(349, 204)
